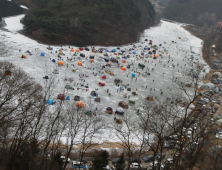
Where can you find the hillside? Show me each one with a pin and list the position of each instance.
(8, 8)
(199, 12)
(90, 22)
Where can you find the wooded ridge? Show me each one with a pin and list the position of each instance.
(88, 22)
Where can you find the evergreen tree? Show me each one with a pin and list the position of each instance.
(120, 165)
(100, 161)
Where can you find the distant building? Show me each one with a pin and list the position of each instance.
(219, 24)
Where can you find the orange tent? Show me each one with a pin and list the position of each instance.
(23, 56)
(72, 50)
(80, 104)
(92, 60)
(77, 50)
(115, 53)
(156, 56)
(79, 63)
(123, 68)
(123, 61)
(60, 63)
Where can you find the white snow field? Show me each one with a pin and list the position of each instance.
(159, 79)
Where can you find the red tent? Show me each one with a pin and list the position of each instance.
(103, 77)
(61, 97)
(81, 49)
(101, 84)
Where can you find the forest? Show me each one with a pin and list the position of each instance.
(8, 8)
(203, 13)
(88, 22)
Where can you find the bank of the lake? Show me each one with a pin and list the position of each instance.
(9, 8)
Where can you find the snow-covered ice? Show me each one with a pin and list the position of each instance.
(22, 6)
(13, 23)
(159, 79)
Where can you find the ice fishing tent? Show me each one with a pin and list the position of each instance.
(55, 71)
(119, 111)
(117, 80)
(42, 54)
(123, 104)
(80, 104)
(87, 49)
(77, 50)
(67, 98)
(155, 55)
(106, 50)
(104, 77)
(8, 73)
(109, 110)
(82, 55)
(149, 98)
(49, 102)
(61, 97)
(53, 60)
(81, 49)
(208, 86)
(91, 57)
(46, 77)
(79, 63)
(49, 48)
(60, 63)
(23, 56)
(101, 84)
(72, 50)
(97, 99)
(114, 50)
(141, 65)
(134, 52)
(123, 68)
(77, 98)
(133, 74)
(93, 93)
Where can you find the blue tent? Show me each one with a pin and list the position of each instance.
(53, 60)
(67, 98)
(49, 101)
(42, 54)
(134, 52)
(107, 50)
(160, 45)
(88, 112)
(133, 74)
(145, 48)
(125, 57)
(114, 50)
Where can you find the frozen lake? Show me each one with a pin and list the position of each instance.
(177, 53)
